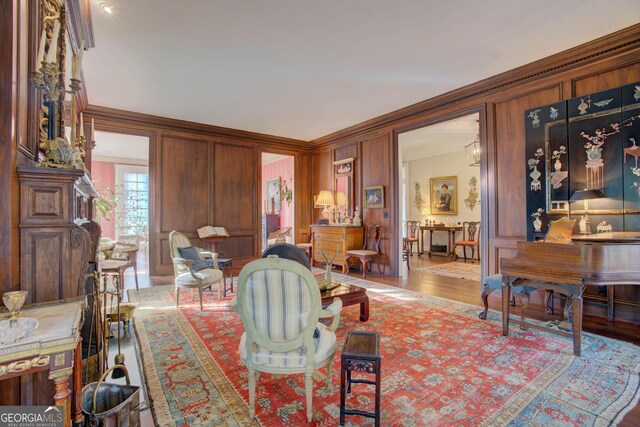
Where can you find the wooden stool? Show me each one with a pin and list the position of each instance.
(223, 263)
(361, 353)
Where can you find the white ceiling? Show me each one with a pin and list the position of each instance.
(440, 138)
(120, 148)
(304, 69)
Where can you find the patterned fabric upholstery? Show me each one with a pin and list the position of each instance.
(279, 303)
(324, 346)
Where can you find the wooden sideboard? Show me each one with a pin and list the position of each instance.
(332, 237)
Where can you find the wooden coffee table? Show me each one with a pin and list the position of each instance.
(350, 295)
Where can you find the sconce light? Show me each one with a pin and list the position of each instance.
(325, 198)
(473, 152)
(341, 199)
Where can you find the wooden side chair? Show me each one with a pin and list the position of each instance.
(470, 239)
(412, 235)
(307, 247)
(279, 303)
(369, 251)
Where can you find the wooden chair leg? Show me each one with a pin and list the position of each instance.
(135, 275)
(177, 296)
(308, 387)
(200, 294)
(252, 393)
(464, 253)
(364, 266)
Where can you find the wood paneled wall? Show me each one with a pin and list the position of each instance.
(207, 175)
(607, 62)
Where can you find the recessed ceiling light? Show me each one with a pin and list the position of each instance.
(106, 8)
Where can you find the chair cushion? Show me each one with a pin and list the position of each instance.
(112, 264)
(467, 243)
(208, 275)
(325, 346)
(361, 252)
(191, 253)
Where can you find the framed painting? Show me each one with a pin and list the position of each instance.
(444, 195)
(273, 194)
(373, 196)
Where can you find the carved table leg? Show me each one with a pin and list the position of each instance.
(523, 297)
(576, 305)
(364, 309)
(548, 301)
(506, 296)
(486, 291)
(62, 397)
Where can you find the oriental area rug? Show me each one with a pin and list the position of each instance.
(441, 366)
(455, 269)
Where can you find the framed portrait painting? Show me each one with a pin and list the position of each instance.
(444, 195)
(373, 196)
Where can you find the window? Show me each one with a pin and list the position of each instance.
(132, 214)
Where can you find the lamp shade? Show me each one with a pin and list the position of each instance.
(325, 198)
(425, 212)
(341, 199)
(586, 195)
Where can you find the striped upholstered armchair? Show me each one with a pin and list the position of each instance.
(279, 303)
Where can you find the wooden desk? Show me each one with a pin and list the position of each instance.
(451, 237)
(53, 346)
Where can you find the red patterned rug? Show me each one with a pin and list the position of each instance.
(441, 367)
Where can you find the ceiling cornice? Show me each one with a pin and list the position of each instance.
(114, 114)
(603, 47)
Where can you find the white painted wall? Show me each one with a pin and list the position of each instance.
(450, 164)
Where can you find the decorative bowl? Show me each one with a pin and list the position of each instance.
(14, 301)
(12, 330)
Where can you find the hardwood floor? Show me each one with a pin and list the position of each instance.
(462, 290)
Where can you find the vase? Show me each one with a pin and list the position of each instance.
(594, 154)
(537, 225)
(557, 165)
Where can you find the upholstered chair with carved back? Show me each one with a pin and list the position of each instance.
(192, 267)
(279, 303)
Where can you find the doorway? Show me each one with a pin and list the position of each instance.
(277, 199)
(439, 181)
(120, 172)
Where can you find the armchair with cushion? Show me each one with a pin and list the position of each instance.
(284, 341)
(192, 267)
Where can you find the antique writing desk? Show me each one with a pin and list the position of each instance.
(567, 269)
(53, 346)
(451, 237)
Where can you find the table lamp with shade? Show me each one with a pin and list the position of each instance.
(325, 198)
(586, 195)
